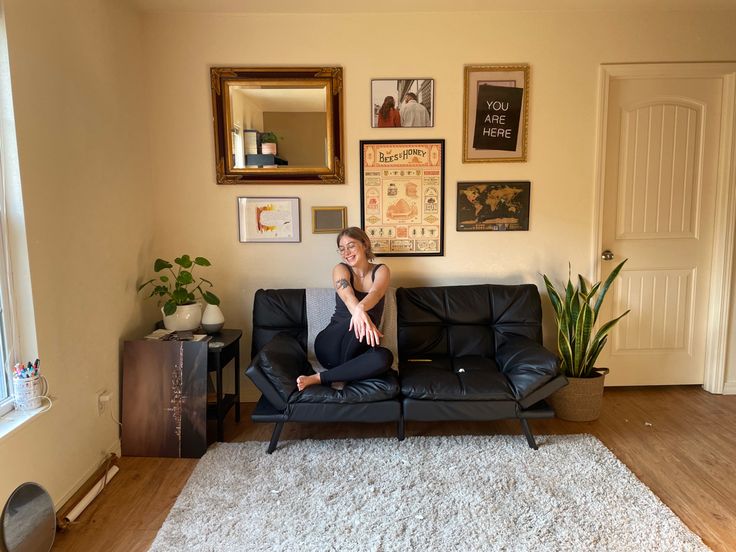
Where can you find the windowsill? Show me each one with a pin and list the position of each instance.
(16, 418)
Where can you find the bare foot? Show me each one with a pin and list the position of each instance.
(302, 382)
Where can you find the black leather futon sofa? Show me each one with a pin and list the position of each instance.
(469, 352)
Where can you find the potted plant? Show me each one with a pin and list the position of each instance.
(181, 311)
(268, 143)
(578, 344)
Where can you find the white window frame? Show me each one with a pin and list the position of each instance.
(9, 345)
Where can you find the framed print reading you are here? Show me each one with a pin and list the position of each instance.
(402, 196)
(496, 113)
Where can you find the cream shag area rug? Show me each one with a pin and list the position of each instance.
(425, 493)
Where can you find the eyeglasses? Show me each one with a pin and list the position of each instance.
(349, 248)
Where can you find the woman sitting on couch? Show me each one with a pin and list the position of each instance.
(349, 346)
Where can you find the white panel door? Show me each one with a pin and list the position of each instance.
(661, 165)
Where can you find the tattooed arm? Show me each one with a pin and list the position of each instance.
(341, 281)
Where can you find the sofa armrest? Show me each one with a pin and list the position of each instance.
(276, 366)
(526, 364)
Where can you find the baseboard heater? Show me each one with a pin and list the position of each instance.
(91, 488)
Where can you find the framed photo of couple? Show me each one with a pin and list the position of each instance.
(402, 103)
(402, 196)
(496, 113)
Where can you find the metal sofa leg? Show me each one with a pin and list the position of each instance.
(400, 428)
(528, 433)
(275, 437)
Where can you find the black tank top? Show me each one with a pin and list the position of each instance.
(341, 310)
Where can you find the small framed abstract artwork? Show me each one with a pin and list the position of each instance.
(493, 206)
(329, 220)
(496, 113)
(268, 219)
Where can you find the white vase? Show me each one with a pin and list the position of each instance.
(212, 319)
(186, 317)
(269, 148)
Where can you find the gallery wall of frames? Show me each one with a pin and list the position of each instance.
(402, 181)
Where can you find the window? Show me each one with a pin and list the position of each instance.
(5, 361)
(9, 189)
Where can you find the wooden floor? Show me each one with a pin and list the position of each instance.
(680, 441)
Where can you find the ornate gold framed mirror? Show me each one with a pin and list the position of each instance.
(278, 124)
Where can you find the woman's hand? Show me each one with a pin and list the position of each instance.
(363, 327)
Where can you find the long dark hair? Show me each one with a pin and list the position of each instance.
(357, 234)
(388, 105)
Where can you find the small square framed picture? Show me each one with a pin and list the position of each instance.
(402, 103)
(329, 220)
(268, 219)
(493, 206)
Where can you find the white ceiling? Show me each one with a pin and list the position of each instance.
(399, 6)
(298, 100)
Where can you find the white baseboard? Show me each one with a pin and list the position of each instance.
(729, 388)
(113, 447)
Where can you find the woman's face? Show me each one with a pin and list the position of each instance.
(351, 250)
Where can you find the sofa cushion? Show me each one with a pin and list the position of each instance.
(473, 378)
(526, 364)
(282, 361)
(380, 388)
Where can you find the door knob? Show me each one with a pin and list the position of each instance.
(607, 255)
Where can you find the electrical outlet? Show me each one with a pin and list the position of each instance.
(103, 397)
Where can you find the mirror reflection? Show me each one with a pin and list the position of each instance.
(278, 124)
(275, 127)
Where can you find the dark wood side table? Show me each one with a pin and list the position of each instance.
(164, 398)
(223, 348)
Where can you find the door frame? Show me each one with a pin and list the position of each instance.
(717, 330)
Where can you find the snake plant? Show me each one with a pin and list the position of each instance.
(576, 312)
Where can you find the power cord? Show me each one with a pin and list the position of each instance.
(106, 399)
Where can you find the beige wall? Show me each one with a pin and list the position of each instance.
(98, 211)
(302, 137)
(565, 51)
(79, 99)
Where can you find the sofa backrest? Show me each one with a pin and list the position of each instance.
(289, 310)
(465, 320)
(276, 311)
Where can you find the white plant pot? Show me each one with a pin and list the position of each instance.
(212, 319)
(186, 317)
(269, 148)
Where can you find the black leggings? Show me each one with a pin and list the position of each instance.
(346, 358)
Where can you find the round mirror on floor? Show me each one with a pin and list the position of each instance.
(28, 520)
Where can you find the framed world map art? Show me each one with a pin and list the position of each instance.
(493, 206)
(402, 196)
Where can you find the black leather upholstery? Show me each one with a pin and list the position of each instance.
(381, 388)
(282, 360)
(468, 378)
(460, 321)
(465, 353)
(278, 311)
(526, 364)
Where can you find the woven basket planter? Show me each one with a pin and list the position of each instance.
(580, 400)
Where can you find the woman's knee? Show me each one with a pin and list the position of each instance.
(384, 356)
